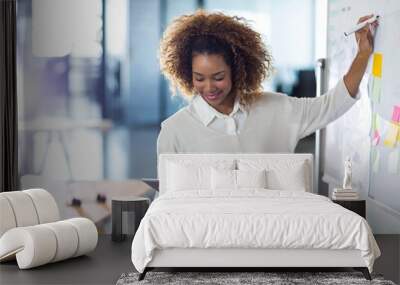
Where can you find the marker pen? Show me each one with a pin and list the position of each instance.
(361, 25)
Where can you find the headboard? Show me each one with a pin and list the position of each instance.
(164, 159)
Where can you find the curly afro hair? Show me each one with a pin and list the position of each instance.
(215, 33)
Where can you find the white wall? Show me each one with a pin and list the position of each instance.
(290, 33)
(292, 37)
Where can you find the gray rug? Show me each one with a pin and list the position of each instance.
(228, 278)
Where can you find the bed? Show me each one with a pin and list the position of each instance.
(247, 210)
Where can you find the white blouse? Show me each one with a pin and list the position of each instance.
(211, 118)
(273, 123)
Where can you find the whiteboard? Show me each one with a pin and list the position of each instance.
(376, 166)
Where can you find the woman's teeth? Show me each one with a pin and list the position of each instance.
(212, 96)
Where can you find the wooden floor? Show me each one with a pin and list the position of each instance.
(110, 260)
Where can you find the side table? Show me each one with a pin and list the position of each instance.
(357, 206)
(137, 205)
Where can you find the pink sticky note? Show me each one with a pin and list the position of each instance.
(376, 138)
(396, 114)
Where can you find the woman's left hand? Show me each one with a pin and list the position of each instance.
(365, 43)
(364, 36)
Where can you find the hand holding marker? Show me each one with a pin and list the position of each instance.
(361, 25)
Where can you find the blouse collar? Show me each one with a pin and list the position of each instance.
(207, 113)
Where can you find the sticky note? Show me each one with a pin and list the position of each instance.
(378, 124)
(373, 122)
(376, 131)
(391, 138)
(393, 162)
(377, 64)
(398, 135)
(373, 125)
(376, 89)
(376, 138)
(375, 156)
(396, 114)
(384, 126)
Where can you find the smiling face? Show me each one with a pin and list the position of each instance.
(212, 79)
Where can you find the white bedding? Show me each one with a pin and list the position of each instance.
(251, 218)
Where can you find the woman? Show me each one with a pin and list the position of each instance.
(219, 63)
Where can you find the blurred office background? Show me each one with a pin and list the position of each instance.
(90, 94)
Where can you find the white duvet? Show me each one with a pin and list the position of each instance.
(251, 218)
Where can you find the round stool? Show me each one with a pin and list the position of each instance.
(137, 205)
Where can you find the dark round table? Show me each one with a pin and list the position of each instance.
(137, 205)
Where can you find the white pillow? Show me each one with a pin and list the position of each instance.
(237, 179)
(189, 176)
(223, 179)
(251, 178)
(290, 179)
(281, 174)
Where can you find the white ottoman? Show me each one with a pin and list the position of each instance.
(31, 233)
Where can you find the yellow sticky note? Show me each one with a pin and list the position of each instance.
(376, 89)
(375, 124)
(377, 65)
(391, 138)
(398, 133)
